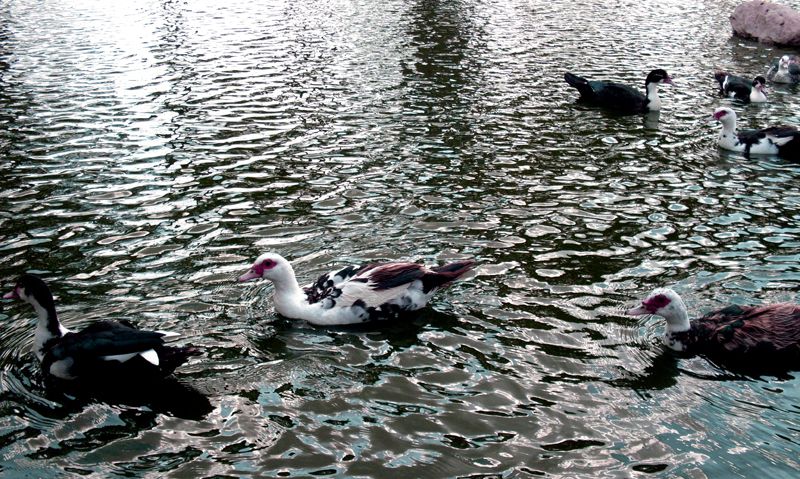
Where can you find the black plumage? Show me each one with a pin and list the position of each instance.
(101, 349)
(620, 97)
(741, 88)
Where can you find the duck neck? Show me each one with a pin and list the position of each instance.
(677, 318)
(654, 102)
(48, 327)
(677, 322)
(728, 127)
(290, 300)
(757, 96)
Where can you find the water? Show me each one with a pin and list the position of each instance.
(151, 150)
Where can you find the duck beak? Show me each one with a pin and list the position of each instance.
(249, 276)
(637, 311)
(11, 295)
(668, 81)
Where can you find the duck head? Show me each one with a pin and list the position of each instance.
(760, 84)
(658, 76)
(724, 115)
(32, 290)
(271, 266)
(666, 303)
(785, 61)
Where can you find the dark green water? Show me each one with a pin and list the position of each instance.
(149, 151)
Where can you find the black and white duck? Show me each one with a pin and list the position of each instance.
(776, 140)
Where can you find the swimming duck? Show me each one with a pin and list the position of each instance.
(617, 96)
(785, 70)
(355, 294)
(768, 331)
(741, 88)
(103, 350)
(775, 140)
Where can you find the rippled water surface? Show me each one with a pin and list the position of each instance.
(151, 150)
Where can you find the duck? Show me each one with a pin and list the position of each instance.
(786, 69)
(741, 88)
(737, 333)
(354, 294)
(619, 97)
(103, 350)
(776, 140)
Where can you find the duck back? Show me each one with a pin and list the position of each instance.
(611, 95)
(768, 332)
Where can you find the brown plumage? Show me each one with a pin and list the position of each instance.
(748, 336)
(772, 329)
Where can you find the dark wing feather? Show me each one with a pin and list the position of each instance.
(618, 96)
(741, 91)
(104, 338)
(325, 285)
(397, 274)
(392, 275)
(781, 131)
(752, 330)
(750, 137)
(726, 81)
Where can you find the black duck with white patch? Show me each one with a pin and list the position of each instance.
(102, 350)
(620, 97)
(742, 89)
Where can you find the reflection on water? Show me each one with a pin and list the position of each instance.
(149, 151)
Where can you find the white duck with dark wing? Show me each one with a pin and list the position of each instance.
(355, 294)
(104, 350)
(776, 140)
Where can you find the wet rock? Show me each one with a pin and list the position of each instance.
(767, 22)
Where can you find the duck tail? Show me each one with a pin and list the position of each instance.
(441, 276)
(580, 83)
(720, 77)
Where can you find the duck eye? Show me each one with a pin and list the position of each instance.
(268, 264)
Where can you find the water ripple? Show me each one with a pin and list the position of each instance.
(151, 151)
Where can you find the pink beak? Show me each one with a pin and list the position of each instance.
(638, 311)
(249, 276)
(11, 295)
(668, 81)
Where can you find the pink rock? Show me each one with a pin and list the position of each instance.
(767, 22)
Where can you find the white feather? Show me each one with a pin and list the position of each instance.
(118, 357)
(60, 368)
(168, 334)
(780, 140)
(151, 356)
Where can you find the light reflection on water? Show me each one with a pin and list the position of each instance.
(150, 151)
